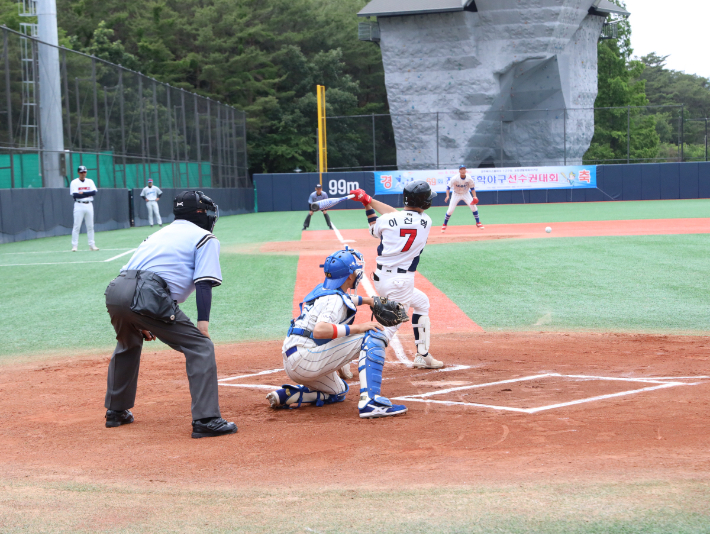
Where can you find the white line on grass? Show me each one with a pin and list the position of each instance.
(56, 252)
(394, 342)
(68, 262)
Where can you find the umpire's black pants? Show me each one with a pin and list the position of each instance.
(182, 336)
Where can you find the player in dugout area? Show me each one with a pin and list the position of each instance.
(142, 302)
(152, 194)
(462, 188)
(83, 190)
(317, 195)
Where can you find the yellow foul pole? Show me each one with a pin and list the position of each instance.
(322, 140)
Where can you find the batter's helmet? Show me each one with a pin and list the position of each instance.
(340, 265)
(418, 195)
(196, 207)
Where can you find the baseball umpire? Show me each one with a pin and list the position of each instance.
(143, 304)
(317, 195)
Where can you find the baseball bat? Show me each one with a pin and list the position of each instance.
(328, 203)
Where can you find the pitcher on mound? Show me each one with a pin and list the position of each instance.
(402, 236)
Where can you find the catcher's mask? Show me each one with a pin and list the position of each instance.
(418, 195)
(340, 265)
(196, 207)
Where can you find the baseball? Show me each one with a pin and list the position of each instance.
(548, 229)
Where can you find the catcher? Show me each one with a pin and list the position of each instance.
(323, 339)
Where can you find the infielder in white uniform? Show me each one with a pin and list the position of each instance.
(83, 191)
(464, 189)
(323, 339)
(403, 235)
(151, 195)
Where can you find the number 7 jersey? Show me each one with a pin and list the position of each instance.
(402, 235)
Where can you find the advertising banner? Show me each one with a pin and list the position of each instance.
(563, 177)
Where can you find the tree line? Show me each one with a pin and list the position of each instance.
(267, 56)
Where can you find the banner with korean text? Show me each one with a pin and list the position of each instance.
(566, 177)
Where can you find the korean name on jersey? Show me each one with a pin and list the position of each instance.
(402, 235)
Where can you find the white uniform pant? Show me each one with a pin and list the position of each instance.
(152, 206)
(83, 212)
(455, 199)
(400, 287)
(317, 367)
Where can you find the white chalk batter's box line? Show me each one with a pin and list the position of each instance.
(664, 382)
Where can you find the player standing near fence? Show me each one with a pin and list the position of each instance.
(151, 195)
(402, 236)
(464, 189)
(83, 190)
(317, 195)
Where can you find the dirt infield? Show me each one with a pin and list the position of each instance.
(51, 419)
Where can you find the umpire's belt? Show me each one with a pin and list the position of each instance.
(399, 271)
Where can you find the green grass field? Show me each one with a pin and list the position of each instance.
(647, 283)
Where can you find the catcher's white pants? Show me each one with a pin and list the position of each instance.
(153, 209)
(400, 287)
(455, 199)
(83, 212)
(317, 367)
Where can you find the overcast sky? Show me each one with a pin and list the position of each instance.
(679, 28)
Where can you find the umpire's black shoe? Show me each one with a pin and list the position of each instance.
(213, 427)
(114, 418)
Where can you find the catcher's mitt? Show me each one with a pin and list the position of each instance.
(388, 312)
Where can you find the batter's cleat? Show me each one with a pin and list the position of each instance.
(73, 249)
(344, 372)
(479, 225)
(212, 428)
(114, 418)
(443, 228)
(380, 407)
(93, 247)
(427, 362)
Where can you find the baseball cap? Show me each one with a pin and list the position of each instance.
(318, 185)
(81, 169)
(462, 166)
(150, 180)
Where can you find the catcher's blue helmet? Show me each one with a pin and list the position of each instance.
(340, 265)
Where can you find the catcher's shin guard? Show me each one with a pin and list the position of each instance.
(372, 360)
(290, 394)
(422, 333)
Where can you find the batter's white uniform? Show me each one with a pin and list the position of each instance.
(83, 210)
(317, 366)
(403, 235)
(460, 190)
(151, 194)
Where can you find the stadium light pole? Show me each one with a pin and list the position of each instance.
(50, 94)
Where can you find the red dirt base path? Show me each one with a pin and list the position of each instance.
(51, 419)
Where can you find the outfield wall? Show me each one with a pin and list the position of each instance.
(44, 212)
(648, 181)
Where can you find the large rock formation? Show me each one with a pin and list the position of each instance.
(512, 83)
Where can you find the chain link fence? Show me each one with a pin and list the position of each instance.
(125, 127)
(516, 138)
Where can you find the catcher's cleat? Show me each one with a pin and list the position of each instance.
(344, 372)
(73, 249)
(278, 398)
(93, 247)
(479, 225)
(427, 362)
(379, 407)
(114, 418)
(212, 428)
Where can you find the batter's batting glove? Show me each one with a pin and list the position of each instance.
(361, 196)
(474, 201)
